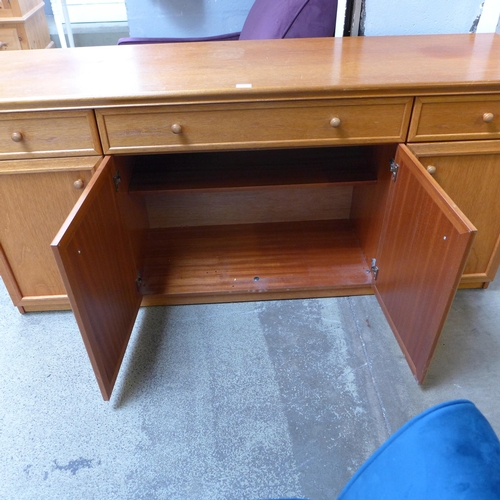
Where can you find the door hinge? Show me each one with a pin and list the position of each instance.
(394, 170)
(374, 269)
(138, 281)
(117, 179)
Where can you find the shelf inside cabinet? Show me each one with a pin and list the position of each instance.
(253, 259)
(251, 223)
(251, 169)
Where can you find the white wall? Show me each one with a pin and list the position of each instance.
(186, 18)
(193, 18)
(414, 17)
(490, 17)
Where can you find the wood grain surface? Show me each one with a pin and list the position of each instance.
(329, 67)
(469, 172)
(424, 246)
(96, 259)
(253, 259)
(49, 134)
(35, 199)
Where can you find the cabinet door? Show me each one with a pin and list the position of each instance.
(36, 196)
(97, 254)
(424, 244)
(470, 173)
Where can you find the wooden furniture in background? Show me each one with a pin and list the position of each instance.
(251, 171)
(23, 25)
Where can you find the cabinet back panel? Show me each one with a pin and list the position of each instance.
(243, 187)
(245, 206)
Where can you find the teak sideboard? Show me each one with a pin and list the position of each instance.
(232, 171)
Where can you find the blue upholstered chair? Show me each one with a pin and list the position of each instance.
(270, 19)
(449, 452)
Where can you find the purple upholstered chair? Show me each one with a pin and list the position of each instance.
(269, 19)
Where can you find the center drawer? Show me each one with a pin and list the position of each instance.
(262, 124)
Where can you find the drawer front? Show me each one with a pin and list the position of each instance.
(9, 39)
(48, 134)
(231, 126)
(455, 118)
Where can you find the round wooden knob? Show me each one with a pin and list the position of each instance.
(78, 184)
(17, 137)
(335, 122)
(176, 128)
(431, 169)
(488, 117)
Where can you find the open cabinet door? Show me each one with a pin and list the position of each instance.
(424, 244)
(97, 254)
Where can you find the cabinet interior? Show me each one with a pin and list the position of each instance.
(289, 222)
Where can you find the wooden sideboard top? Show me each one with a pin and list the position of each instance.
(326, 67)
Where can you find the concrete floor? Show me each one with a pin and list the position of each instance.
(236, 401)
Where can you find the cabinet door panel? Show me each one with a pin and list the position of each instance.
(97, 260)
(470, 173)
(36, 196)
(424, 245)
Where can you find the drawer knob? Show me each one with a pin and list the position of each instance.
(176, 128)
(488, 117)
(78, 184)
(431, 169)
(17, 137)
(335, 122)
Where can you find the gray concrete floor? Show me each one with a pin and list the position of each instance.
(233, 401)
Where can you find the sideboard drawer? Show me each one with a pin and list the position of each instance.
(9, 39)
(48, 134)
(455, 118)
(272, 124)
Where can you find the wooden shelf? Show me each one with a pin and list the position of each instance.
(250, 169)
(215, 261)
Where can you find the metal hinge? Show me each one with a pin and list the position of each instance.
(374, 269)
(394, 170)
(138, 281)
(117, 179)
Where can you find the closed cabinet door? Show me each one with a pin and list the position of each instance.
(424, 244)
(470, 173)
(35, 198)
